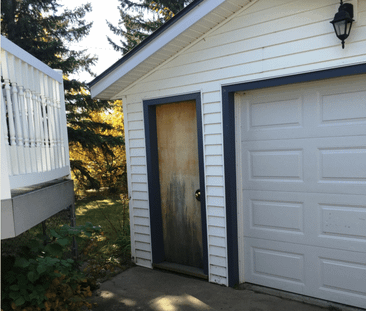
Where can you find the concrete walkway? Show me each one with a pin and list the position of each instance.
(145, 289)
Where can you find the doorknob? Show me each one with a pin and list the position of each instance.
(198, 195)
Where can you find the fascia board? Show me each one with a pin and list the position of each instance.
(170, 34)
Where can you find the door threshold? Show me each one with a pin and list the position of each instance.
(174, 267)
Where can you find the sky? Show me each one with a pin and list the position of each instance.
(96, 42)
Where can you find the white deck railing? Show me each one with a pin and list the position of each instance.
(33, 120)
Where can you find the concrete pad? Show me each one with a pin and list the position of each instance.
(145, 289)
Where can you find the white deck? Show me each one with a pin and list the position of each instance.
(34, 144)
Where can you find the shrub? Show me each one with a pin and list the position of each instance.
(41, 277)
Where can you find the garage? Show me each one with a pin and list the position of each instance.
(301, 185)
(281, 132)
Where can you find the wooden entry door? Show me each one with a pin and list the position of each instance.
(177, 143)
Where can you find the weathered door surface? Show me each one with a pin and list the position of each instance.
(179, 180)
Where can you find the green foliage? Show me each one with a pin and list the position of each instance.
(134, 28)
(124, 240)
(42, 277)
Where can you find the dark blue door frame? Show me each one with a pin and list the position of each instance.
(149, 107)
(230, 153)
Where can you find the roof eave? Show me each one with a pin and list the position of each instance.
(145, 42)
(165, 34)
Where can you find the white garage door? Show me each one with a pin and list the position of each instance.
(301, 154)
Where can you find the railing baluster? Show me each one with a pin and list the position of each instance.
(62, 141)
(24, 116)
(18, 125)
(37, 120)
(57, 122)
(45, 142)
(13, 150)
(9, 106)
(62, 118)
(32, 137)
(18, 128)
(51, 123)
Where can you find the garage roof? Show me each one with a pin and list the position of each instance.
(188, 25)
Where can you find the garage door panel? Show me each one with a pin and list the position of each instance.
(343, 223)
(342, 107)
(286, 216)
(324, 273)
(343, 281)
(343, 163)
(312, 110)
(331, 165)
(324, 220)
(265, 115)
(274, 264)
(267, 165)
(274, 216)
(342, 276)
(285, 165)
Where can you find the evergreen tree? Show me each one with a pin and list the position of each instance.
(140, 18)
(43, 29)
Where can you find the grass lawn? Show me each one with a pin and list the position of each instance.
(109, 251)
(111, 214)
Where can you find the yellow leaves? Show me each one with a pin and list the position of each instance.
(47, 306)
(166, 12)
(88, 292)
(107, 168)
(50, 295)
(82, 91)
(63, 297)
(55, 282)
(88, 305)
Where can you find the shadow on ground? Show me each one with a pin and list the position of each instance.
(144, 289)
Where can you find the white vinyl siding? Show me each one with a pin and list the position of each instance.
(214, 180)
(269, 39)
(137, 185)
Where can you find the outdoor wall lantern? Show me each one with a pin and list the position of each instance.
(342, 21)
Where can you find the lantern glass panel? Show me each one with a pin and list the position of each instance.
(340, 28)
(348, 28)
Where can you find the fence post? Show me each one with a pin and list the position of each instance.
(74, 250)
